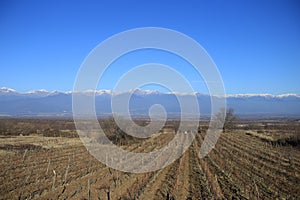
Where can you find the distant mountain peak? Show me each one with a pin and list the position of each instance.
(288, 95)
(7, 90)
(262, 95)
(249, 95)
(143, 92)
(38, 91)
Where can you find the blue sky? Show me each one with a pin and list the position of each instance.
(255, 44)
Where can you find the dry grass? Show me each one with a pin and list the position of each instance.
(37, 140)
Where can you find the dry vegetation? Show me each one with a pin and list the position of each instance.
(44, 159)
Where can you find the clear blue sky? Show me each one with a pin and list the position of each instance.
(255, 44)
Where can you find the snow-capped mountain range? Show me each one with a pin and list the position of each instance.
(56, 103)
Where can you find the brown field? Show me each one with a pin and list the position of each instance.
(45, 159)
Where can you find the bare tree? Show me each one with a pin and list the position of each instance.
(230, 119)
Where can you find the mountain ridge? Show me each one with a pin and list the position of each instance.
(57, 103)
(6, 90)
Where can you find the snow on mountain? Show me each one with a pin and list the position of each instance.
(137, 91)
(55, 92)
(43, 101)
(249, 95)
(262, 95)
(43, 93)
(5, 90)
(37, 93)
(288, 95)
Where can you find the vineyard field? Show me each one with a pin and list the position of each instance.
(241, 166)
